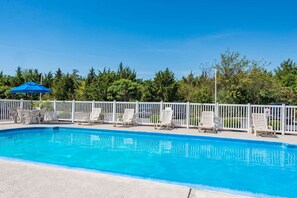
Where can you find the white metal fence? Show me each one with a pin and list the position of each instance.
(228, 116)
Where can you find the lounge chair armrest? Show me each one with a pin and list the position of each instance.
(270, 127)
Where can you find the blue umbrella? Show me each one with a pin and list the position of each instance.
(30, 87)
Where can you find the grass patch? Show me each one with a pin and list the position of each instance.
(275, 124)
(194, 121)
(154, 118)
(232, 123)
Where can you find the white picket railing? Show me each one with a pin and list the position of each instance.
(106, 110)
(6, 105)
(147, 112)
(228, 116)
(233, 117)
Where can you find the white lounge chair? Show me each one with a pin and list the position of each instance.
(95, 116)
(260, 125)
(165, 119)
(89, 118)
(207, 122)
(128, 118)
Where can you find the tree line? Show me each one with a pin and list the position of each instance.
(239, 81)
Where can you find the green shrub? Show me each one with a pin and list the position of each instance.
(48, 106)
(64, 114)
(41, 104)
(275, 124)
(38, 104)
(232, 122)
(154, 118)
(194, 121)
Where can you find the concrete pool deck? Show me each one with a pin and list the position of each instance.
(21, 179)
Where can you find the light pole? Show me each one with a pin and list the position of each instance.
(215, 85)
(215, 100)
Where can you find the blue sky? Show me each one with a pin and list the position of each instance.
(147, 35)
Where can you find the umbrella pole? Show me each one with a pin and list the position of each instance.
(31, 101)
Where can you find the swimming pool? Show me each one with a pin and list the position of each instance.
(260, 168)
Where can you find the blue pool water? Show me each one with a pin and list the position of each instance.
(246, 166)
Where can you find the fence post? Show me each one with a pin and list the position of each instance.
(93, 105)
(216, 116)
(283, 122)
(249, 118)
(55, 110)
(161, 108)
(55, 106)
(188, 115)
(1, 113)
(137, 113)
(22, 104)
(114, 111)
(73, 110)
